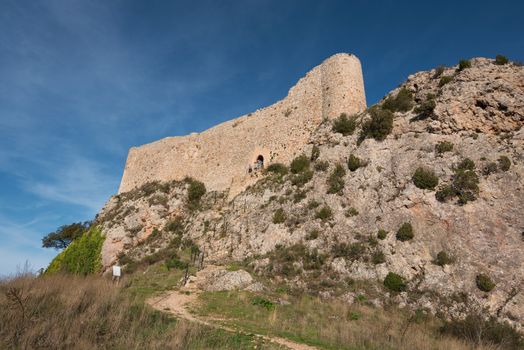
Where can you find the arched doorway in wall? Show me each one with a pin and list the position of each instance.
(259, 163)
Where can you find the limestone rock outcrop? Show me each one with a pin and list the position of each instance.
(325, 242)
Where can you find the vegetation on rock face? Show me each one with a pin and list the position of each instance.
(405, 232)
(444, 80)
(443, 259)
(501, 60)
(300, 164)
(444, 146)
(382, 234)
(439, 71)
(402, 102)
(344, 125)
(484, 283)
(195, 191)
(394, 282)
(464, 64)
(379, 126)
(426, 108)
(325, 213)
(277, 168)
(302, 178)
(64, 235)
(335, 181)
(82, 256)
(354, 162)
(321, 165)
(425, 179)
(315, 153)
(504, 163)
(464, 184)
(279, 216)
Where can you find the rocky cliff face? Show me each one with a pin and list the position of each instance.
(337, 220)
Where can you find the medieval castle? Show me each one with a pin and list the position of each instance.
(227, 156)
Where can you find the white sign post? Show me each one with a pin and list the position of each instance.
(117, 272)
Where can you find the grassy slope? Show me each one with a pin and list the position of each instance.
(66, 312)
(328, 324)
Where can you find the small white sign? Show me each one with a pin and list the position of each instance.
(116, 271)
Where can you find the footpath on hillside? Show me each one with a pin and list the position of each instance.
(179, 302)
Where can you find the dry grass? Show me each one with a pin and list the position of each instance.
(332, 324)
(68, 312)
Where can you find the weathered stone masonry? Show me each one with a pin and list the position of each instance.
(221, 156)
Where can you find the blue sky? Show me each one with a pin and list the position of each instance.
(82, 81)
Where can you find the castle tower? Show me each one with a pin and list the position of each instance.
(226, 156)
(342, 86)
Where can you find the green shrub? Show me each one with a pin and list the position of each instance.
(490, 168)
(175, 263)
(302, 178)
(475, 329)
(299, 196)
(313, 204)
(443, 259)
(300, 164)
(351, 212)
(405, 232)
(324, 213)
(195, 192)
(402, 102)
(354, 162)
(464, 64)
(444, 146)
(260, 301)
(315, 153)
(312, 235)
(279, 216)
(321, 165)
(439, 71)
(504, 163)
(484, 283)
(444, 80)
(466, 164)
(394, 282)
(335, 181)
(175, 225)
(501, 60)
(465, 185)
(378, 257)
(344, 125)
(425, 179)
(277, 168)
(382, 234)
(444, 193)
(82, 256)
(426, 108)
(379, 126)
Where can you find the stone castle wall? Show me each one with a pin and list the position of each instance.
(221, 156)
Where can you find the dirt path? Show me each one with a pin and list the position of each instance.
(179, 302)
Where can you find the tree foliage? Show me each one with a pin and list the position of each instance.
(64, 235)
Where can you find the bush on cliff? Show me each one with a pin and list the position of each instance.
(344, 125)
(300, 164)
(402, 102)
(82, 256)
(195, 191)
(405, 232)
(379, 126)
(425, 179)
(394, 282)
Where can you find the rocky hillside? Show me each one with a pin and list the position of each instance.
(418, 201)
